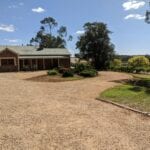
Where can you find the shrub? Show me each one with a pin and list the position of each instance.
(139, 61)
(116, 63)
(148, 69)
(89, 73)
(62, 70)
(139, 69)
(79, 67)
(68, 73)
(52, 72)
(128, 69)
(141, 82)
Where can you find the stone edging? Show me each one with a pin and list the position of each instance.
(125, 107)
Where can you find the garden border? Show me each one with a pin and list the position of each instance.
(125, 107)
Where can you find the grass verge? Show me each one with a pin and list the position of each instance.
(137, 97)
(141, 76)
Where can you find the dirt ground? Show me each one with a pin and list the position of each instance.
(66, 116)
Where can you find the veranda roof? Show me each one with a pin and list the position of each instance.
(33, 51)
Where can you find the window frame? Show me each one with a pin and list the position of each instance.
(7, 59)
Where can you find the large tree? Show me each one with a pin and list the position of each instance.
(49, 39)
(95, 45)
(51, 22)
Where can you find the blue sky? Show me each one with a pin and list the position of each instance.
(20, 20)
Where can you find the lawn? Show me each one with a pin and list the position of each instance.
(135, 95)
(132, 96)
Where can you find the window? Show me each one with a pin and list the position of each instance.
(7, 62)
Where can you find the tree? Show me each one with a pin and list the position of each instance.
(51, 22)
(116, 63)
(95, 45)
(139, 61)
(147, 16)
(48, 40)
(62, 31)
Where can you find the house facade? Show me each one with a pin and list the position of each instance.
(26, 58)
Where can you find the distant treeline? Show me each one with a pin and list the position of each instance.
(125, 58)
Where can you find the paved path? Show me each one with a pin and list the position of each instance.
(66, 116)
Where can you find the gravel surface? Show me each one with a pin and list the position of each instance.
(66, 116)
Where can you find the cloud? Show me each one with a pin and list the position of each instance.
(7, 28)
(13, 40)
(16, 5)
(38, 10)
(133, 4)
(80, 32)
(134, 16)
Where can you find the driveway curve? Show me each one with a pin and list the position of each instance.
(66, 116)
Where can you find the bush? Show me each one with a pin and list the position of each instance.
(62, 70)
(127, 69)
(141, 82)
(68, 73)
(116, 63)
(52, 72)
(79, 67)
(89, 73)
(139, 61)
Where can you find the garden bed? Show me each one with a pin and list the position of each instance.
(57, 78)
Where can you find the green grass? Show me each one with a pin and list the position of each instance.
(132, 96)
(141, 76)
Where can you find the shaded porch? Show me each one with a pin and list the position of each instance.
(31, 64)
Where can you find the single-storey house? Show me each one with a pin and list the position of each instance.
(22, 58)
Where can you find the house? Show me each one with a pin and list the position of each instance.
(22, 58)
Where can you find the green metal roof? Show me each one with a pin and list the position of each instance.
(33, 51)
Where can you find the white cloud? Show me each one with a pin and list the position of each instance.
(80, 32)
(133, 4)
(16, 5)
(38, 10)
(134, 16)
(13, 40)
(7, 28)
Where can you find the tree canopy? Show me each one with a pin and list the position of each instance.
(49, 39)
(95, 45)
(139, 61)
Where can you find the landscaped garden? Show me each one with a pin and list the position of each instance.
(135, 93)
(77, 72)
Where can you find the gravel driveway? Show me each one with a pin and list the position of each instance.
(66, 116)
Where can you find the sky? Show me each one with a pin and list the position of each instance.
(20, 20)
